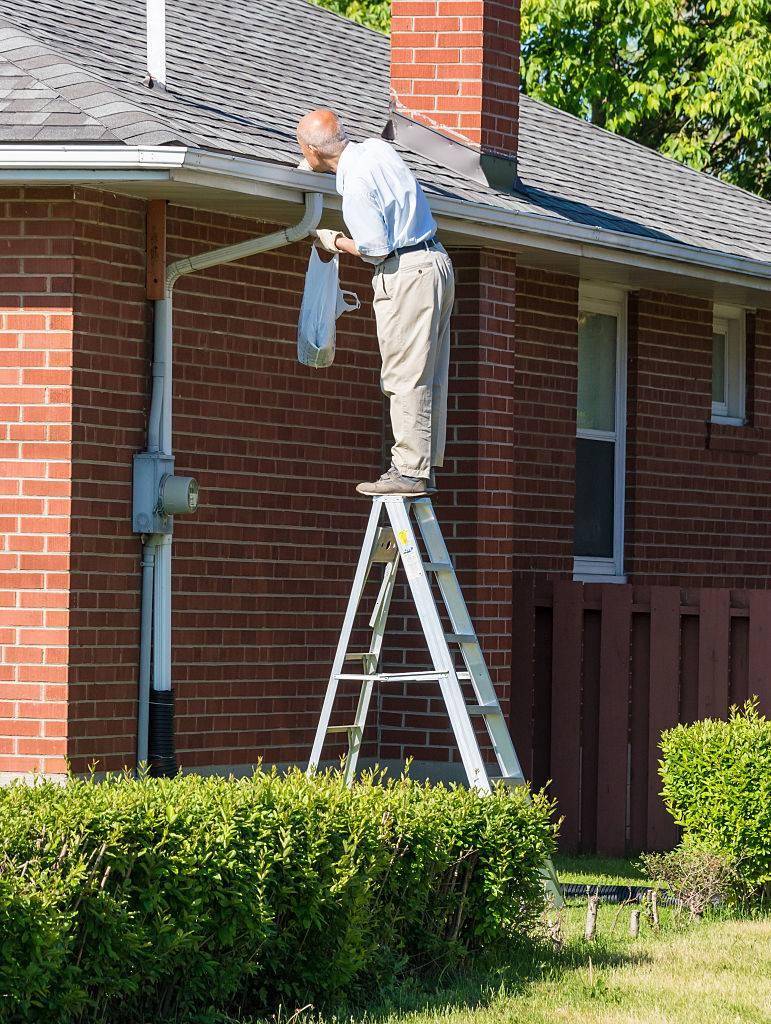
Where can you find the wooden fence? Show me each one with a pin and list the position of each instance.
(599, 670)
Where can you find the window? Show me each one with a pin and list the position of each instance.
(601, 429)
(729, 362)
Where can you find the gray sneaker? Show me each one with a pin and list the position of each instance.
(393, 482)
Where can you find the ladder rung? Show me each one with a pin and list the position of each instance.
(344, 728)
(358, 656)
(508, 780)
(483, 709)
(463, 675)
(460, 638)
(387, 677)
(438, 566)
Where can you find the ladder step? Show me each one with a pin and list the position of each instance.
(343, 728)
(392, 677)
(460, 638)
(483, 709)
(512, 781)
(438, 566)
(358, 655)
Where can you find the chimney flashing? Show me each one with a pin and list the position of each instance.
(499, 172)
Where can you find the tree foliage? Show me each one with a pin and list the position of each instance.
(691, 78)
(372, 13)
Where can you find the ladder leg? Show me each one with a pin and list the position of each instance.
(472, 654)
(474, 660)
(359, 581)
(356, 732)
(437, 644)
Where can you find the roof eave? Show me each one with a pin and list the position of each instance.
(518, 230)
(515, 229)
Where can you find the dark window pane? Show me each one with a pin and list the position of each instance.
(718, 367)
(594, 498)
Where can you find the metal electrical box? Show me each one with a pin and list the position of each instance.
(149, 470)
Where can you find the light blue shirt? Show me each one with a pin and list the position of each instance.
(384, 207)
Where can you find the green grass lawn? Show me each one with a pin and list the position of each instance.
(600, 871)
(716, 971)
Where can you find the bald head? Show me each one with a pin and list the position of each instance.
(322, 138)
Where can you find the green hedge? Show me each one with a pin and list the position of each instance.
(181, 899)
(717, 787)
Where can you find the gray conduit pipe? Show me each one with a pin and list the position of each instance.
(155, 713)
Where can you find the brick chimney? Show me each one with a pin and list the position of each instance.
(455, 68)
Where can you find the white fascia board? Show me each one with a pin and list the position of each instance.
(515, 228)
(90, 157)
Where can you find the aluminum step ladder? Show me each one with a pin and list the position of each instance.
(390, 544)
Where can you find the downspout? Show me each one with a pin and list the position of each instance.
(158, 494)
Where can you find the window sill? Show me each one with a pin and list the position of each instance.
(729, 421)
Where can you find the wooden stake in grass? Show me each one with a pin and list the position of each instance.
(634, 924)
(592, 906)
(655, 909)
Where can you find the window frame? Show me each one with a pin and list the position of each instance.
(612, 301)
(731, 321)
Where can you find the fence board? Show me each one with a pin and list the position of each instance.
(689, 668)
(759, 681)
(613, 720)
(638, 733)
(566, 707)
(523, 674)
(739, 660)
(714, 621)
(663, 705)
(590, 700)
(544, 624)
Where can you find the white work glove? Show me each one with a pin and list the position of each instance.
(326, 239)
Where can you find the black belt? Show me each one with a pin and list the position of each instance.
(430, 243)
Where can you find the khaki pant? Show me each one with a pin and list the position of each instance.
(414, 293)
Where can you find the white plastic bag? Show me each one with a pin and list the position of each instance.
(323, 302)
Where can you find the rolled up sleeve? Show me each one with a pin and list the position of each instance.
(364, 219)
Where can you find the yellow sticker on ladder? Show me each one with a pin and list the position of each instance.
(402, 536)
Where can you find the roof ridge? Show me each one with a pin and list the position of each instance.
(101, 102)
(648, 150)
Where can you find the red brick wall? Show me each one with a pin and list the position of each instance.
(262, 571)
(455, 66)
(111, 360)
(35, 470)
(545, 383)
(697, 493)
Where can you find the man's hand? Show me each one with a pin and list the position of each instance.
(327, 238)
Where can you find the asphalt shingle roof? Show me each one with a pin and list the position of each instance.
(240, 76)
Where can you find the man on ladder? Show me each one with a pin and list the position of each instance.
(388, 216)
(391, 226)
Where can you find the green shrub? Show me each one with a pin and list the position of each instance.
(697, 878)
(717, 786)
(182, 899)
